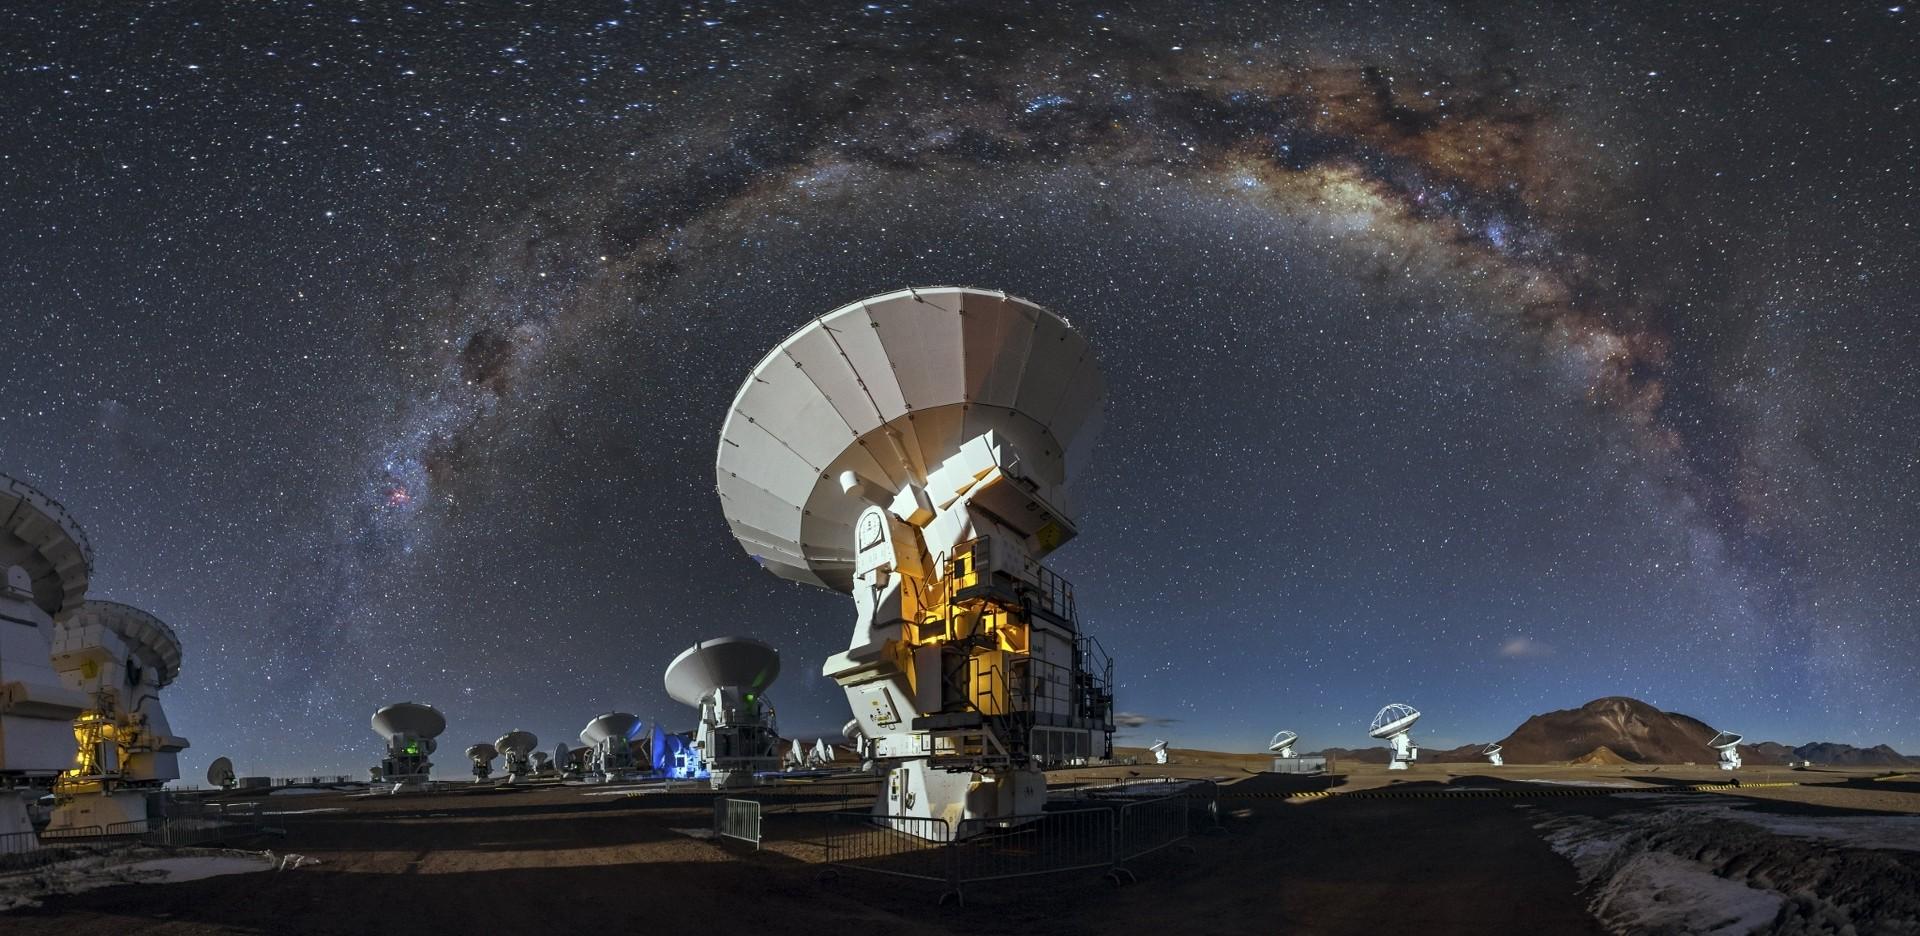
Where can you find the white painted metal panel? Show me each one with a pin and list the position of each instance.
(819, 351)
(1051, 359)
(783, 401)
(999, 333)
(922, 337)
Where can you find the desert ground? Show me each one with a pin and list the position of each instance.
(1441, 848)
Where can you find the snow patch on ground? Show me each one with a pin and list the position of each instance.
(96, 867)
(1698, 866)
(1657, 892)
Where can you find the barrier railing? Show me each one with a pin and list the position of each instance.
(909, 847)
(19, 843)
(737, 819)
(1068, 840)
(1147, 826)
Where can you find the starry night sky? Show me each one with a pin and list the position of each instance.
(1478, 358)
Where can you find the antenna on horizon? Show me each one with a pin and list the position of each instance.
(1391, 725)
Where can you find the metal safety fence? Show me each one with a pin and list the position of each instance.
(737, 819)
(181, 822)
(1091, 838)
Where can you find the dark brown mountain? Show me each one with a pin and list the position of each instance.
(1641, 734)
(1630, 728)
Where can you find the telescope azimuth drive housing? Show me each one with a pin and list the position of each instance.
(409, 729)
(1391, 725)
(912, 449)
(726, 679)
(1728, 744)
(119, 657)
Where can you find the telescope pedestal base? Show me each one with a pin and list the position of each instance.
(14, 819)
(966, 802)
(109, 812)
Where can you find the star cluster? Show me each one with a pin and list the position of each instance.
(1491, 361)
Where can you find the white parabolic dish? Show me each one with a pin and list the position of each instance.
(1724, 740)
(521, 743)
(610, 725)
(722, 661)
(220, 772)
(1392, 720)
(37, 534)
(410, 719)
(482, 751)
(153, 644)
(1281, 740)
(886, 387)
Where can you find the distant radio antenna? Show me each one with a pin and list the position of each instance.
(220, 773)
(481, 756)
(609, 741)
(1159, 751)
(726, 678)
(1728, 744)
(1492, 754)
(1282, 744)
(1391, 725)
(517, 747)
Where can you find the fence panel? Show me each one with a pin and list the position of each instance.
(1027, 846)
(737, 819)
(902, 846)
(1150, 825)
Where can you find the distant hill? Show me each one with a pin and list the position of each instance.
(1635, 731)
(1617, 729)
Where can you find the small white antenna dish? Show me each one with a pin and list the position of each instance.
(1728, 744)
(563, 761)
(517, 747)
(542, 764)
(1282, 743)
(609, 741)
(822, 754)
(481, 756)
(796, 756)
(1492, 754)
(1391, 725)
(220, 773)
(1159, 751)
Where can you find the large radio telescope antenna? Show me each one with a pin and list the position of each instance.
(409, 729)
(1492, 754)
(1282, 743)
(1159, 751)
(1728, 744)
(1391, 725)
(919, 443)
